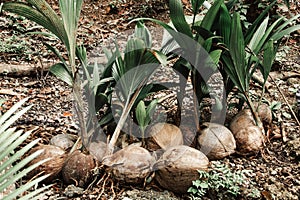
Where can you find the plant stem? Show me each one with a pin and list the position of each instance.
(254, 113)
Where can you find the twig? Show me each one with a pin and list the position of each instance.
(291, 75)
(290, 108)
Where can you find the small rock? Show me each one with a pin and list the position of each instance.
(73, 191)
(273, 172)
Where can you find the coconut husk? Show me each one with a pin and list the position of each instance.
(189, 135)
(249, 140)
(216, 141)
(243, 119)
(97, 149)
(64, 141)
(130, 165)
(265, 114)
(177, 168)
(78, 169)
(249, 137)
(163, 136)
(53, 166)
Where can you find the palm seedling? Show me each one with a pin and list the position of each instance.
(256, 48)
(129, 74)
(196, 57)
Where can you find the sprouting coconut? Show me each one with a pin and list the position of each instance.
(216, 141)
(130, 165)
(78, 169)
(163, 136)
(53, 166)
(249, 137)
(178, 167)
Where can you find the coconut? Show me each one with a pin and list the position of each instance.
(97, 149)
(78, 169)
(249, 137)
(189, 135)
(178, 167)
(163, 136)
(265, 114)
(249, 140)
(216, 141)
(53, 166)
(64, 141)
(130, 165)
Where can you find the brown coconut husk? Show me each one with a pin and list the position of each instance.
(78, 169)
(189, 135)
(216, 141)
(163, 136)
(249, 137)
(178, 167)
(53, 166)
(249, 140)
(64, 141)
(97, 149)
(265, 114)
(130, 165)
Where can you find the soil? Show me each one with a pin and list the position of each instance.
(274, 173)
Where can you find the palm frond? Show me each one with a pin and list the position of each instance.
(11, 167)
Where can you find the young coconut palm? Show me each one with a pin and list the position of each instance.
(242, 58)
(65, 29)
(137, 53)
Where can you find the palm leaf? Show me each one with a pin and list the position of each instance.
(237, 52)
(178, 19)
(269, 55)
(10, 164)
(70, 11)
(285, 32)
(258, 35)
(142, 32)
(225, 24)
(61, 71)
(249, 33)
(35, 15)
(266, 36)
(211, 15)
(196, 4)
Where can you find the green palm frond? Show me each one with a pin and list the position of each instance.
(11, 167)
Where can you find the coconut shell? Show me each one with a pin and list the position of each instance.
(216, 141)
(53, 166)
(249, 137)
(130, 165)
(78, 168)
(163, 136)
(177, 168)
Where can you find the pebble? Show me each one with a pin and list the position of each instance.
(273, 172)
